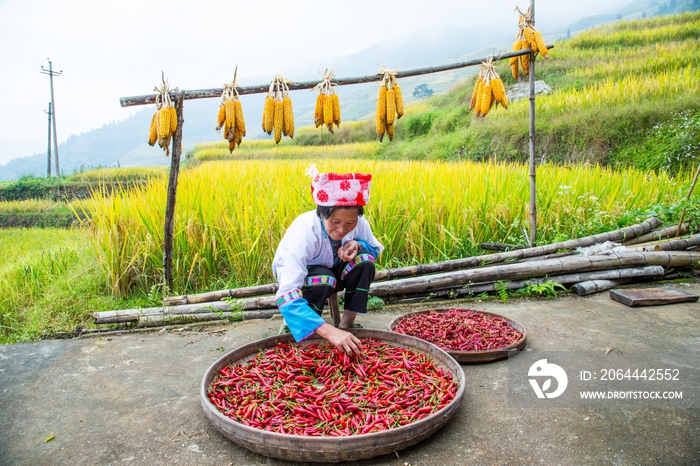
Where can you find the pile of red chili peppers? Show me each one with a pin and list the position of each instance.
(315, 390)
(459, 330)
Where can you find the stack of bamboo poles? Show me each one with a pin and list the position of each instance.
(649, 252)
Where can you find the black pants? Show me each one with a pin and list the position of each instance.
(354, 277)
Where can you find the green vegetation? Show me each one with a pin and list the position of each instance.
(76, 186)
(50, 282)
(618, 138)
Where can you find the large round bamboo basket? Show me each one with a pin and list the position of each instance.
(469, 357)
(333, 449)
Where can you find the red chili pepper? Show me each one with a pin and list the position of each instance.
(391, 386)
(460, 330)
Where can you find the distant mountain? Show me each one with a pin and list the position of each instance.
(124, 143)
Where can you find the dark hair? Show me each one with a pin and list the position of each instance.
(325, 211)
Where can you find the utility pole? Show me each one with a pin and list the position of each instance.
(51, 74)
(48, 148)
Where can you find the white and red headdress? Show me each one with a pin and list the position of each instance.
(339, 189)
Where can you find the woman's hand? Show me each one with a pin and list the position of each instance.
(348, 251)
(344, 341)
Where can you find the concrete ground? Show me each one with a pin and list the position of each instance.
(132, 398)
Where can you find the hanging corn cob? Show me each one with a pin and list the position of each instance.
(488, 89)
(527, 38)
(278, 114)
(164, 121)
(389, 104)
(230, 117)
(327, 110)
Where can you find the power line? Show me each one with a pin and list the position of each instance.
(52, 110)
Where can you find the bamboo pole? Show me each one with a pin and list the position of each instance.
(263, 88)
(457, 264)
(158, 320)
(596, 286)
(544, 268)
(652, 271)
(455, 279)
(680, 244)
(667, 232)
(172, 194)
(533, 168)
(219, 295)
(690, 192)
(133, 315)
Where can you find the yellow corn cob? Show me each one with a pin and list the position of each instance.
(504, 98)
(328, 111)
(230, 117)
(390, 132)
(221, 117)
(475, 93)
(514, 60)
(153, 130)
(336, 109)
(166, 145)
(173, 120)
(318, 110)
(530, 38)
(288, 128)
(238, 137)
(381, 128)
(240, 121)
(477, 103)
(278, 120)
(525, 60)
(390, 107)
(541, 46)
(381, 103)
(163, 126)
(268, 115)
(486, 98)
(499, 92)
(496, 89)
(227, 129)
(398, 96)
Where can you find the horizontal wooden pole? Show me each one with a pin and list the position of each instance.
(535, 253)
(519, 254)
(657, 235)
(653, 271)
(519, 271)
(295, 86)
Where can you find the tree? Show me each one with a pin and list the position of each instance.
(422, 91)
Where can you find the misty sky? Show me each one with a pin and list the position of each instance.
(109, 50)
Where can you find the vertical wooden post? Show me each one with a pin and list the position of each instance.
(533, 170)
(172, 193)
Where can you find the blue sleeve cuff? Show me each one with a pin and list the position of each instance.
(368, 248)
(300, 318)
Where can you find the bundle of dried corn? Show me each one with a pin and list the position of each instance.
(278, 115)
(230, 116)
(527, 38)
(327, 110)
(164, 121)
(389, 104)
(488, 90)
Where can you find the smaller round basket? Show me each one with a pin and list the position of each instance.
(471, 357)
(333, 449)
